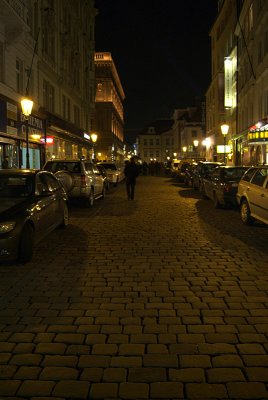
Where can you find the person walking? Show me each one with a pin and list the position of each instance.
(5, 163)
(131, 172)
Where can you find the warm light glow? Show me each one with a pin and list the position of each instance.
(99, 154)
(26, 106)
(223, 149)
(36, 136)
(196, 143)
(184, 149)
(175, 154)
(224, 129)
(94, 137)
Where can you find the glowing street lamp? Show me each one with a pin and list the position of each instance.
(224, 131)
(94, 138)
(26, 108)
(196, 142)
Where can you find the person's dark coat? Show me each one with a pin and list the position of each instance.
(131, 171)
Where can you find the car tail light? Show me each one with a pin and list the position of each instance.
(83, 181)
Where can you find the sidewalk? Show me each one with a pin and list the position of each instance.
(142, 299)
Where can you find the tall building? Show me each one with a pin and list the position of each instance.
(238, 93)
(109, 109)
(47, 53)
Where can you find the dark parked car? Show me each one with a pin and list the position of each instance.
(202, 170)
(32, 204)
(221, 185)
(189, 173)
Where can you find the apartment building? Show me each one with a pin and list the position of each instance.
(46, 53)
(238, 92)
(109, 109)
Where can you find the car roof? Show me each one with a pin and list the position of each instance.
(17, 171)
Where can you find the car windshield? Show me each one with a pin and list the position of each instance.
(209, 167)
(63, 166)
(16, 186)
(233, 173)
(109, 166)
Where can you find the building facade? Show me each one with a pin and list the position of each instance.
(46, 53)
(109, 109)
(238, 93)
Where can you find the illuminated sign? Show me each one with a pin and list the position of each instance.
(86, 136)
(223, 149)
(47, 140)
(228, 82)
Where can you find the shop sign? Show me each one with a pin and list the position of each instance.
(47, 140)
(8, 118)
(221, 149)
(228, 82)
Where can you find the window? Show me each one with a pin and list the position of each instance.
(48, 96)
(19, 76)
(157, 142)
(259, 177)
(194, 133)
(167, 141)
(145, 153)
(151, 142)
(248, 175)
(76, 115)
(145, 142)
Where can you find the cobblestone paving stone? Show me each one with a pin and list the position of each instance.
(162, 297)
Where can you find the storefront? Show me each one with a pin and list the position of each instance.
(258, 143)
(13, 136)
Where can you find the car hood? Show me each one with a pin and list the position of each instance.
(11, 206)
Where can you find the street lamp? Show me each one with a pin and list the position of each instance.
(196, 142)
(26, 107)
(94, 138)
(224, 131)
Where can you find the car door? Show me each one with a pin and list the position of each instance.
(258, 194)
(98, 180)
(44, 207)
(56, 199)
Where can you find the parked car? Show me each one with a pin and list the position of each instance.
(32, 204)
(181, 170)
(202, 169)
(80, 178)
(104, 174)
(221, 185)
(115, 173)
(252, 195)
(189, 172)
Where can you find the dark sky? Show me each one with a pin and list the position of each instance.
(161, 49)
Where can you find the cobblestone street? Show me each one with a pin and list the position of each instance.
(162, 297)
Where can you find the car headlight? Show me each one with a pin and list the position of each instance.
(7, 226)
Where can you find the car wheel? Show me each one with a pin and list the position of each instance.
(65, 217)
(66, 179)
(245, 213)
(216, 202)
(26, 244)
(90, 199)
(203, 192)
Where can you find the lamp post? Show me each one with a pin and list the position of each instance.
(26, 107)
(224, 131)
(94, 138)
(196, 142)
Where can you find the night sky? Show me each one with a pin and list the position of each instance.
(161, 49)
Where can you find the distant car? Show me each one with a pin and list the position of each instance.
(202, 169)
(189, 173)
(80, 178)
(32, 204)
(221, 185)
(180, 172)
(104, 174)
(252, 195)
(115, 173)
